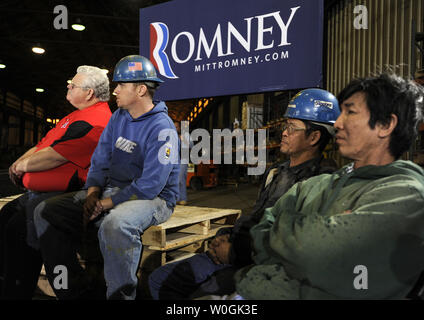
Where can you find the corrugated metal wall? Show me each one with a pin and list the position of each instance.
(385, 45)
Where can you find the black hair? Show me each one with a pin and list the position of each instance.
(390, 94)
(325, 135)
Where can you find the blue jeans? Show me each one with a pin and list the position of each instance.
(120, 242)
(59, 227)
(182, 182)
(190, 278)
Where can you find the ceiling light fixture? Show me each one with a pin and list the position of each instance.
(39, 90)
(78, 26)
(2, 66)
(38, 50)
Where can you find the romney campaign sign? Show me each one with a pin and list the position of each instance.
(204, 48)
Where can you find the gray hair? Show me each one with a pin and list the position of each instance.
(97, 80)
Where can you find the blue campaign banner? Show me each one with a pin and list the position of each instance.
(204, 48)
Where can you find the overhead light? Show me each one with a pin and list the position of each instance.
(2, 66)
(69, 81)
(38, 50)
(78, 26)
(39, 89)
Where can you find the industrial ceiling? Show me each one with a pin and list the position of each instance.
(112, 32)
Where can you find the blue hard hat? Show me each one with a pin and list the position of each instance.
(315, 105)
(135, 68)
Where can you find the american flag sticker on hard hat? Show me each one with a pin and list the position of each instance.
(135, 66)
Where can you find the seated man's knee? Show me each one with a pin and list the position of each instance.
(40, 222)
(111, 225)
(46, 213)
(154, 286)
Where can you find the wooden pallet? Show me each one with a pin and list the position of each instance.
(5, 200)
(188, 225)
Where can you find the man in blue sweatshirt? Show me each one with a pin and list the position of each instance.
(132, 184)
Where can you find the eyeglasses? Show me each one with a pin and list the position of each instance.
(73, 86)
(291, 128)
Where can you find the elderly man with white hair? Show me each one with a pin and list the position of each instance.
(58, 163)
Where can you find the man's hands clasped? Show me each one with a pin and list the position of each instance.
(90, 205)
(15, 175)
(94, 206)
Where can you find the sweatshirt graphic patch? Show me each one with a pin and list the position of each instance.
(125, 145)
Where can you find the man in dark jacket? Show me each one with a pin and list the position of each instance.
(307, 130)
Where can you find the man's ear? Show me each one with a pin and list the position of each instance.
(141, 90)
(314, 137)
(386, 130)
(90, 94)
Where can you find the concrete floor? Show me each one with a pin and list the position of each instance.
(242, 196)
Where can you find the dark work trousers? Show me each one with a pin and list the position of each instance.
(61, 237)
(20, 264)
(191, 278)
